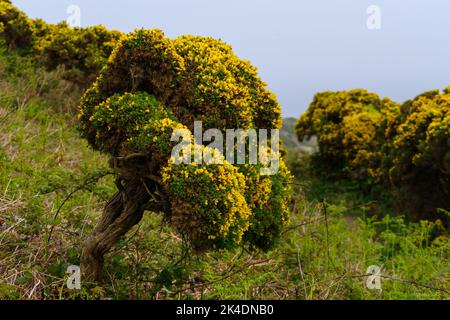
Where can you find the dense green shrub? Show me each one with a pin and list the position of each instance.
(133, 123)
(15, 27)
(152, 85)
(81, 51)
(419, 154)
(151, 79)
(403, 146)
(348, 125)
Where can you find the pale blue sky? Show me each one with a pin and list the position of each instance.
(300, 47)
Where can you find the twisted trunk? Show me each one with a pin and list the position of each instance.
(139, 191)
(124, 211)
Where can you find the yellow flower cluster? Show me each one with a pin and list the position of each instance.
(198, 78)
(229, 204)
(221, 82)
(131, 123)
(215, 195)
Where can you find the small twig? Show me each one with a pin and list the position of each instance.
(34, 288)
(414, 282)
(89, 181)
(153, 178)
(132, 156)
(301, 271)
(5, 117)
(286, 230)
(326, 232)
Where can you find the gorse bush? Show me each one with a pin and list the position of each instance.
(403, 146)
(153, 85)
(419, 153)
(82, 52)
(200, 78)
(130, 114)
(348, 127)
(15, 27)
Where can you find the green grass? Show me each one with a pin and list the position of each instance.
(336, 233)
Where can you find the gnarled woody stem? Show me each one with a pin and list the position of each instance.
(122, 212)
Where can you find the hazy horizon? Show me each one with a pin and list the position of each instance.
(299, 48)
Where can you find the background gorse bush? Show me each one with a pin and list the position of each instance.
(15, 27)
(348, 125)
(406, 147)
(419, 158)
(81, 52)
